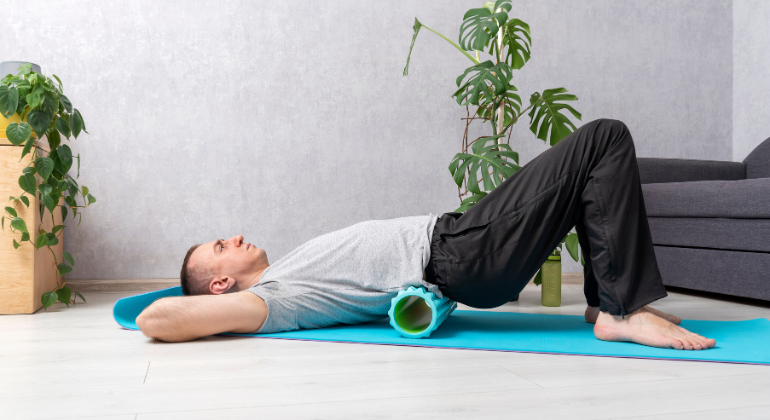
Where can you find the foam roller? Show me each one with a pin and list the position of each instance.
(416, 312)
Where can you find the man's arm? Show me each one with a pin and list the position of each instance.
(184, 318)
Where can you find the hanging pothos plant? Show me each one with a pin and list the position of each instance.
(44, 111)
(487, 85)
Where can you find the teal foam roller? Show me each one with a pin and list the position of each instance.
(416, 312)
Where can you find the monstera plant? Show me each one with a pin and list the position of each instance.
(44, 110)
(487, 86)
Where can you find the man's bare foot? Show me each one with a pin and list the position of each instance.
(644, 327)
(592, 312)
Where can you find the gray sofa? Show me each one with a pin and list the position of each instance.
(710, 222)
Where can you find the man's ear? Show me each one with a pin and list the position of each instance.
(221, 284)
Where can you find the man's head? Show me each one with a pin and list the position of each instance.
(222, 266)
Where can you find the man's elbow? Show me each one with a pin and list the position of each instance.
(154, 323)
(147, 324)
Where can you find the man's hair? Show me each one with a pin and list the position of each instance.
(194, 280)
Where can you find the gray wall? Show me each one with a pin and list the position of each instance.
(283, 121)
(751, 75)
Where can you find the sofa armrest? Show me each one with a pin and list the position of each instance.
(659, 170)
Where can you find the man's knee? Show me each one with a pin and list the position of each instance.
(613, 123)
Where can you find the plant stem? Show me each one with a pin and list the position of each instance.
(456, 46)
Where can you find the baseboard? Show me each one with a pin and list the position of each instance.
(121, 285)
(572, 278)
(149, 285)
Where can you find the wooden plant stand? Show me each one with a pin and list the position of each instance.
(25, 273)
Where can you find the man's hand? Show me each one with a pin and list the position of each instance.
(184, 318)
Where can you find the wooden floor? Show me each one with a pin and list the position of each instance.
(77, 363)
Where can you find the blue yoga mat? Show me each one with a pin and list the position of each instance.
(737, 341)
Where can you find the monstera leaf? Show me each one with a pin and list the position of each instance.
(498, 75)
(512, 106)
(482, 158)
(517, 39)
(481, 24)
(545, 114)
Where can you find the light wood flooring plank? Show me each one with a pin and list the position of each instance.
(574, 403)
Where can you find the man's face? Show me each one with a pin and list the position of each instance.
(232, 258)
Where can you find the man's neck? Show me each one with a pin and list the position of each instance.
(258, 277)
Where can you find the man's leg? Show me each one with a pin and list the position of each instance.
(485, 256)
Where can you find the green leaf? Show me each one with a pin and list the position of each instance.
(9, 100)
(70, 201)
(511, 108)
(66, 102)
(484, 158)
(48, 299)
(57, 228)
(24, 69)
(63, 126)
(64, 295)
(572, 245)
(479, 24)
(24, 236)
(44, 167)
(18, 133)
(52, 240)
(16, 245)
(80, 296)
(50, 103)
(28, 183)
(417, 26)
(61, 86)
(19, 224)
(2, 223)
(64, 211)
(76, 123)
(64, 268)
(49, 203)
(28, 147)
(40, 120)
(498, 75)
(517, 39)
(42, 240)
(85, 190)
(69, 258)
(25, 200)
(470, 202)
(10, 211)
(44, 189)
(65, 157)
(545, 114)
(33, 100)
(91, 199)
(54, 139)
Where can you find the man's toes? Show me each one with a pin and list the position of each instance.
(676, 344)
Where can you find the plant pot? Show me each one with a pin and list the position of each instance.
(25, 273)
(550, 275)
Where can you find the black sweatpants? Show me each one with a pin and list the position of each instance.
(484, 257)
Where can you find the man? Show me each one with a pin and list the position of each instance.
(481, 258)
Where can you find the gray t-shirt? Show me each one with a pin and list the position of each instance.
(348, 276)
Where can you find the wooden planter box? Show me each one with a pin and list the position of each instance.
(25, 273)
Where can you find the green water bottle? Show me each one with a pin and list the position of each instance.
(550, 275)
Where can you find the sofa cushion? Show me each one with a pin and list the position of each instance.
(746, 198)
(711, 232)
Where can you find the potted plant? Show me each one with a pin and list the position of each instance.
(488, 86)
(34, 106)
